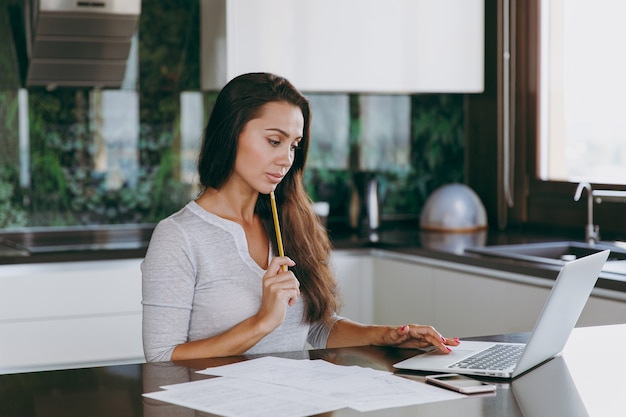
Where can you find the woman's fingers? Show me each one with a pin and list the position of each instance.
(277, 263)
(422, 336)
(432, 336)
(282, 283)
(280, 289)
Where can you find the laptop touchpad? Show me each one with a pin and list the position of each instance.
(435, 358)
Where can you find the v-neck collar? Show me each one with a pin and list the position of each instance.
(236, 230)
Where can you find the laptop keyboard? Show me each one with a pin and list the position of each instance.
(496, 358)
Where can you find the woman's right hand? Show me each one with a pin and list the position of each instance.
(280, 289)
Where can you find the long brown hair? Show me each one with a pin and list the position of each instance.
(304, 239)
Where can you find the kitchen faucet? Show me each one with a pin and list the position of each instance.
(592, 231)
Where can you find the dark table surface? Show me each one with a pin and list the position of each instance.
(577, 383)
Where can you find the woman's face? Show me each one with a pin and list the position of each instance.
(267, 146)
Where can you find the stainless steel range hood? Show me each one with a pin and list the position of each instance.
(79, 43)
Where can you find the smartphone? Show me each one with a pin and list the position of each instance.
(460, 383)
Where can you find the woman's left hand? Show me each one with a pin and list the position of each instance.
(418, 336)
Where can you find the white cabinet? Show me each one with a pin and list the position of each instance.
(600, 310)
(67, 314)
(457, 303)
(380, 46)
(354, 275)
(403, 293)
(60, 315)
(457, 299)
(474, 305)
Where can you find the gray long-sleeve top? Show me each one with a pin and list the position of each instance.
(199, 280)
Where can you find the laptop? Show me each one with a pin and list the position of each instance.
(560, 313)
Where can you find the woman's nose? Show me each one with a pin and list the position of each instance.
(285, 158)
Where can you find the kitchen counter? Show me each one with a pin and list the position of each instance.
(130, 241)
(578, 382)
(77, 243)
(450, 248)
(124, 242)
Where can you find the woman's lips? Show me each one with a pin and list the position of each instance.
(275, 178)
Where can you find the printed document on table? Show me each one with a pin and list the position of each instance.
(360, 388)
(300, 373)
(236, 397)
(276, 387)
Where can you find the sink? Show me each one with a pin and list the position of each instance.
(556, 253)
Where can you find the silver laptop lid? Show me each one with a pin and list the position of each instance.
(562, 309)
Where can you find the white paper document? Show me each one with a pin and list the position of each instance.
(235, 397)
(272, 386)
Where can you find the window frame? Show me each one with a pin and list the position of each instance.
(547, 203)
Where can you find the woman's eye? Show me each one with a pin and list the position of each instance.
(277, 142)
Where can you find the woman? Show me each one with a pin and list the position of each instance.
(212, 283)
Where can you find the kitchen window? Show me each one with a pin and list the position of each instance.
(582, 128)
(569, 108)
(559, 74)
